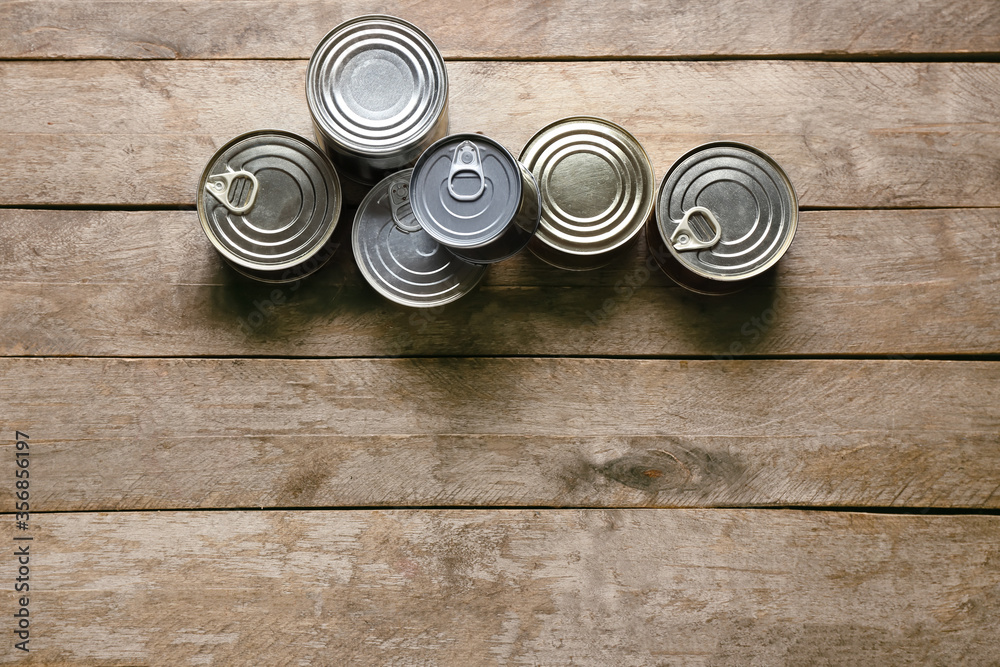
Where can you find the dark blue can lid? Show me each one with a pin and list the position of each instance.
(465, 190)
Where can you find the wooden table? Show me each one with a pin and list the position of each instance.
(562, 468)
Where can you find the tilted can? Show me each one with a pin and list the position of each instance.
(269, 201)
(472, 196)
(597, 191)
(377, 89)
(725, 213)
(398, 258)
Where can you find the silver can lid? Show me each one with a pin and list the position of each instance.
(376, 85)
(269, 200)
(726, 211)
(596, 184)
(398, 258)
(466, 190)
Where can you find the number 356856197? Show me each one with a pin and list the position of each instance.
(22, 459)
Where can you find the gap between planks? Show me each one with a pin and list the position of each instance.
(860, 509)
(970, 357)
(873, 58)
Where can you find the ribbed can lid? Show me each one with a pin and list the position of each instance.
(398, 258)
(596, 184)
(269, 200)
(466, 190)
(376, 85)
(726, 211)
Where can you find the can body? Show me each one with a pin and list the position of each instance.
(398, 258)
(725, 214)
(269, 201)
(377, 90)
(597, 191)
(472, 196)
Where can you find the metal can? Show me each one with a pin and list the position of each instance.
(597, 191)
(472, 196)
(377, 89)
(269, 201)
(398, 258)
(725, 213)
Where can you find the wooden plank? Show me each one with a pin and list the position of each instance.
(149, 284)
(850, 135)
(537, 29)
(622, 587)
(160, 434)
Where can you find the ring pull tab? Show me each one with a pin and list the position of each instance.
(221, 187)
(399, 204)
(466, 159)
(686, 237)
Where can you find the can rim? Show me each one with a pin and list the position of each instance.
(792, 224)
(356, 149)
(378, 285)
(261, 276)
(678, 274)
(648, 209)
(517, 195)
(334, 218)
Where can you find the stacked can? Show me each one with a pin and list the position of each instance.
(472, 196)
(424, 237)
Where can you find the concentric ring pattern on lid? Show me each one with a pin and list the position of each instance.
(466, 190)
(398, 258)
(269, 200)
(596, 184)
(726, 211)
(376, 84)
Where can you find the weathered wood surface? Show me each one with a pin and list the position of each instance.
(198, 433)
(508, 30)
(230, 582)
(850, 135)
(150, 284)
(621, 587)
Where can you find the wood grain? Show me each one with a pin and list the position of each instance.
(508, 30)
(850, 135)
(622, 587)
(186, 433)
(149, 284)
(195, 503)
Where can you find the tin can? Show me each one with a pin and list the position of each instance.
(269, 201)
(597, 191)
(472, 196)
(725, 213)
(398, 258)
(377, 89)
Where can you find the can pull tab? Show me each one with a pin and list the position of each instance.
(221, 187)
(686, 237)
(399, 204)
(466, 159)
